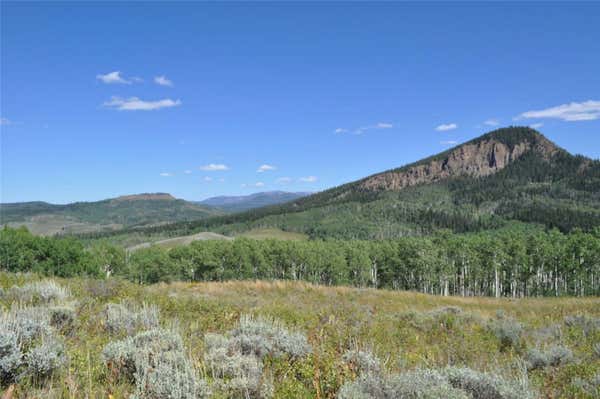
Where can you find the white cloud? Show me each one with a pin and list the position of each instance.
(536, 125)
(449, 142)
(5, 121)
(585, 111)
(446, 126)
(308, 179)
(136, 104)
(166, 174)
(163, 81)
(207, 178)
(213, 167)
(492, 122)
(259, 184)
(243, 185)
(361, 130)
(265, 167)
(187, 172)
(221, 180)
(113, 77)
(284, 180)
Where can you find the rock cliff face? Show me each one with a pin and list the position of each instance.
(471, 159)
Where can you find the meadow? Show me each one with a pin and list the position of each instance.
(99, 338)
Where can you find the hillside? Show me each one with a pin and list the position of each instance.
(256, 200)
(509, 175)
(110, 214)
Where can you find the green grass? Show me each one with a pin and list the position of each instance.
(274, 233)
(396, 326)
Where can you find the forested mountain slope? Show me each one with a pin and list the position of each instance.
(510, 174)
(114, 213)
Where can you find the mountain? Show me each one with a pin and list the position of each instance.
(110, 214)
(507, 177)
(256, 200)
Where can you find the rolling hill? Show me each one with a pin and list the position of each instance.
(510, 176)
(256, 200)
(110, 214)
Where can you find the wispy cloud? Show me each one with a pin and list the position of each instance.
(259, 184)
(308, 179)
(449, 142)
(166, 174)
(113, 77)
(207, 178)
(136, 104)
(492, 122)
(163, 81)
(446, 126)
(5, 121)
(363, 129)
(584, 111)
(536, 125)
(213, 167)
(265, 167)
(284, 180)
(187, 172)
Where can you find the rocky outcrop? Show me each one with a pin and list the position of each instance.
(476, 159)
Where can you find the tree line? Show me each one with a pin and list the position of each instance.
(513, 263)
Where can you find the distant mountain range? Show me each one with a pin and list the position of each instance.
(508, 177)
(128, 211)
(110, 214)
(256, 200)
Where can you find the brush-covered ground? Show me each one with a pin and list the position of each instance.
(83, 338)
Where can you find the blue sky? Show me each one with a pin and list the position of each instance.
(192, 99)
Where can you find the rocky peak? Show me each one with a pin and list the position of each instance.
(480, 157)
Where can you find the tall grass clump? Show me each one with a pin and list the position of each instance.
(155, 362)
(128, 318)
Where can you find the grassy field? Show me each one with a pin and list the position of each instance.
(405, 330)
(272, 233)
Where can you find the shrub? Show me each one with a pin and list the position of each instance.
(508, 331)
(261, 337)
(62, 318)
(155, 361)
(362, 362)
(11, 357)
(597, 350)
(45, 291)
(555, 356)
(128, 317)
(368, 386)
(426, 384)
(487, 386)
(27, 323)
(588, 325)
(45, 359)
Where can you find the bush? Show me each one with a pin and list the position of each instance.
(589, 325)
(261, 337)
(155, 361)
(128, 318)
(45, 291)
(368, 386)
(425, 384)
(555, 356)
(11, 357)
(508, 331)
(62, 318)
(45, 359)
(362, 362)
(597, 350)
(27, 323)
(487, 386)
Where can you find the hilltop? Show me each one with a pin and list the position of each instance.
(244, 202)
